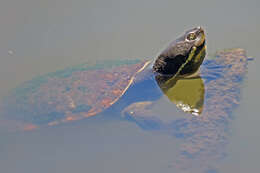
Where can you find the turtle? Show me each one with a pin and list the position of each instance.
(210, 98)
(206, 90)
(89, 89)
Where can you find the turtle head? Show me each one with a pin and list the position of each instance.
(184, 55)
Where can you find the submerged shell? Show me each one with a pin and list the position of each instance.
(70, 94)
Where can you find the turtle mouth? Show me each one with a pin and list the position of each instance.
(201, 37)
(201, 45)
(198, 49)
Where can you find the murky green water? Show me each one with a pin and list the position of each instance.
(43, 36)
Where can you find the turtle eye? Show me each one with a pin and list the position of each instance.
(191, 36)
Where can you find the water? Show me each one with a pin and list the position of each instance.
(43, 36)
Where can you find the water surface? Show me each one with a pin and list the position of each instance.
(43, 36)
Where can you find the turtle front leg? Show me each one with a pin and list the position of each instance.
(142, 114)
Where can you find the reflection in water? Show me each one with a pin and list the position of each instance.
(186, 93)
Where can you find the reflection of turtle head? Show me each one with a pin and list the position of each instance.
(184, 55)
(186, 94)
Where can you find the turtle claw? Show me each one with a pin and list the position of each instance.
(136, 109)
(142, 114)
